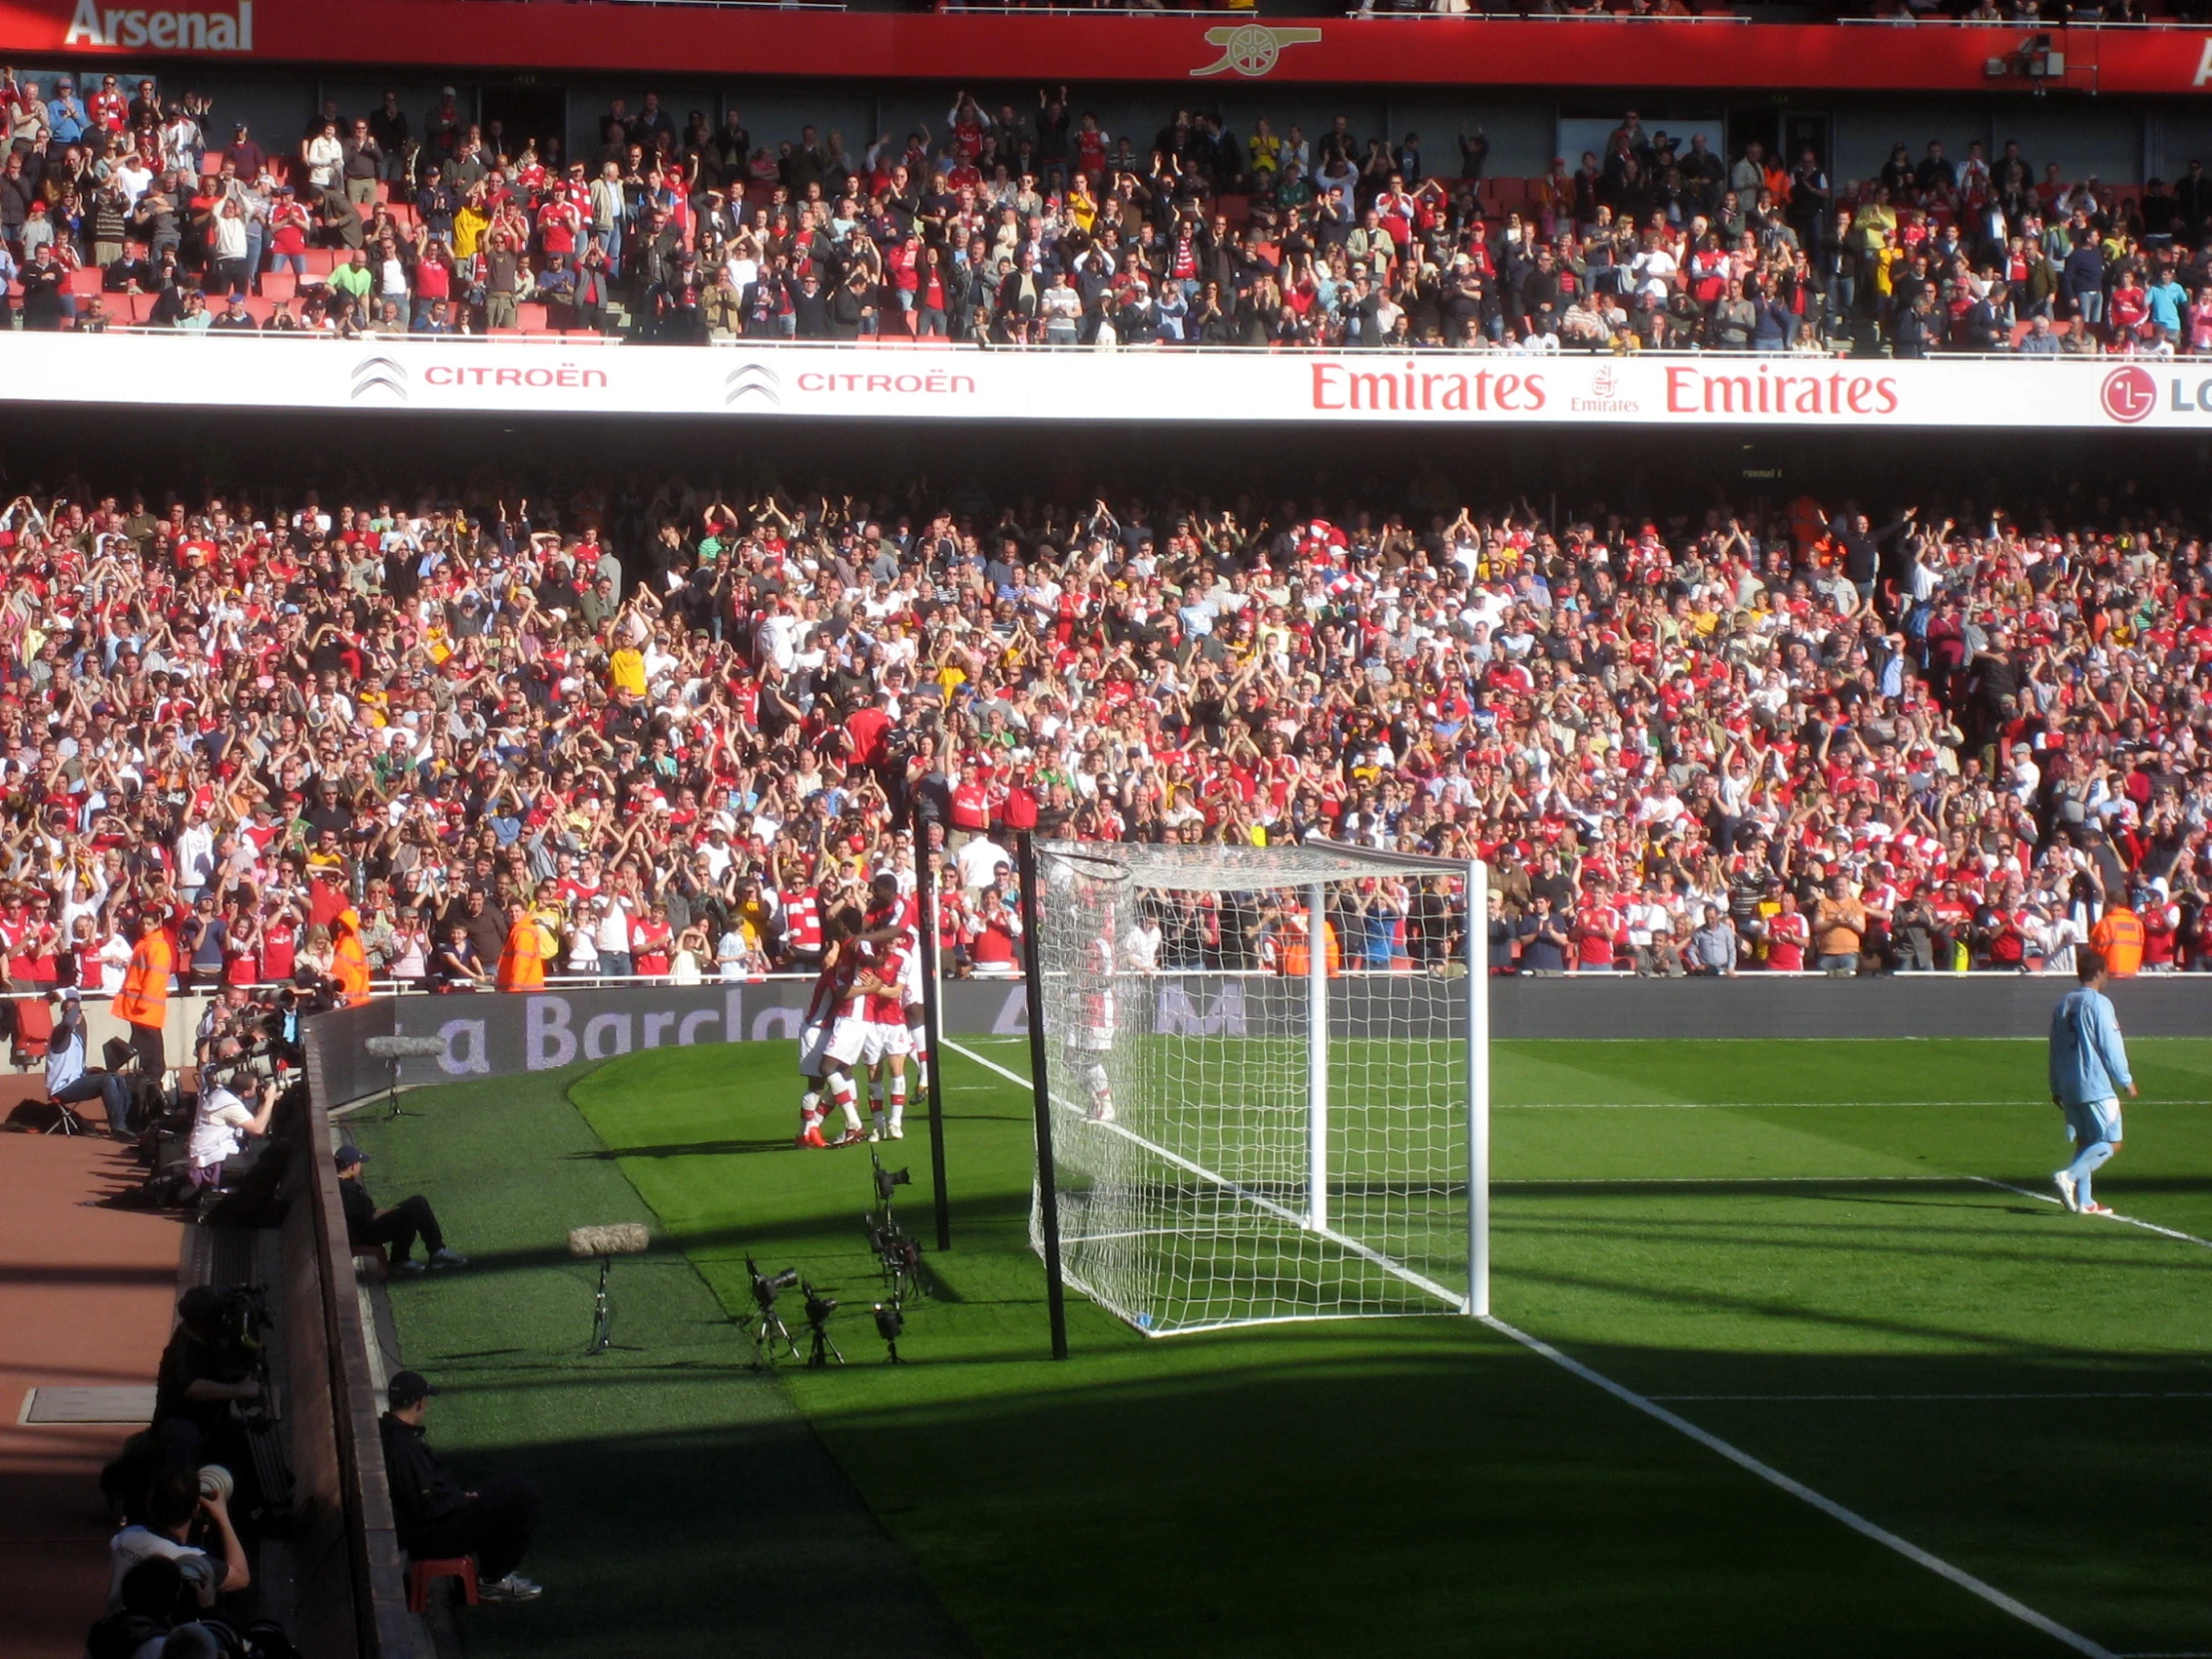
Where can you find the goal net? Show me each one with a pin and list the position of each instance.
(1256, 1116)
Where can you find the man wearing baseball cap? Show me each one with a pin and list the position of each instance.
(436, 1518)
(396, 1226)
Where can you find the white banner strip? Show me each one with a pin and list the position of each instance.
(911, 382)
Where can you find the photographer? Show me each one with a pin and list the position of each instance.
(68, 1079)
(396, 1227)
(233, 1013)
(173, 1503)
(222, 1123)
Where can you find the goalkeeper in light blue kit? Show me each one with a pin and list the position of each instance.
(2088, 1069)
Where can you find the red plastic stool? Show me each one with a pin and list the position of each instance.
(420, 1575)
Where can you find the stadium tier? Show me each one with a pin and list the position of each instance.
(679, 726)
(1257, 210)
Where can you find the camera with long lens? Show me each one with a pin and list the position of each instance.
(767, 1287)
(888, 1181)
(890, 1323)
(767, 1325)
(256, 1063)
(818, 1309)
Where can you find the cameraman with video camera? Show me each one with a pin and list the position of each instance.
(207, 1369)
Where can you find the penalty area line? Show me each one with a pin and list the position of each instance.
(1798, 1489)
(1757, 1399)
(2132, 1221)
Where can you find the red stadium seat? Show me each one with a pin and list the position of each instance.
(85, 281)
(279, 284)
(532, 317)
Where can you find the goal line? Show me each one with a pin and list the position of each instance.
(1261, 1201)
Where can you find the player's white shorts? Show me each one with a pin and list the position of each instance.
(1090, 1039)
(2093, 1121)
(813, 1048)
(859, 1042)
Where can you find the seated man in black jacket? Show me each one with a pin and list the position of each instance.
(436, 1519)
(366, 1225)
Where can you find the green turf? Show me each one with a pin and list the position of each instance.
(684, 1498)
(1424, 1482)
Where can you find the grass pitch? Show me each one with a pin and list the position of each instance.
(1796, 1247)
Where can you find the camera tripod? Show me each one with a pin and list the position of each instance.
(768, 1331)
(822, 1349)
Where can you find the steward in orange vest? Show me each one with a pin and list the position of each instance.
(1296, 963)
(2118, 935)
(349, 960)
(143, 1003)
(522, 960)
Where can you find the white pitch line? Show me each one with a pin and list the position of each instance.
(1797, 1489)
(1730, 1105)
(2132, 1221)
(1725, 1180)
(2047, 1394)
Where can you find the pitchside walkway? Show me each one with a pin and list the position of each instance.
(86, 1297)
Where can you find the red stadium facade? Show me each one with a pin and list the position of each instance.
(590, 39)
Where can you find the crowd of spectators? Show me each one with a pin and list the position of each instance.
(1031, 225)
(679, 728)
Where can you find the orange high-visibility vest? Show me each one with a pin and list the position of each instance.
(522, 961)
(1296, 962)
(350, 965)
(2119, 937)
(143, 998)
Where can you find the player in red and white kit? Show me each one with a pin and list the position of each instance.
(832, 987)
(870, 1029)
(893, 924)
(853, 1040)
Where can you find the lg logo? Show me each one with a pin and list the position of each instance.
(2129, 394)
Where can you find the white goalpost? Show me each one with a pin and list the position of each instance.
(1247, 1124)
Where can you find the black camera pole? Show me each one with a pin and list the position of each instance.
(1048, 1195)
(932, 1014)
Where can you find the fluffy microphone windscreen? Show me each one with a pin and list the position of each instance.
(627, 1238)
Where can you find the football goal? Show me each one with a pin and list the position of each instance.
(1266, 1082)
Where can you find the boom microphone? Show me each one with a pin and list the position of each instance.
(625, 1238)
(405, 1048)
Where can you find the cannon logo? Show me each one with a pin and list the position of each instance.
(141, 27)
(754, 380)
(1251, 49)
(2129, 394)
(380, 375)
